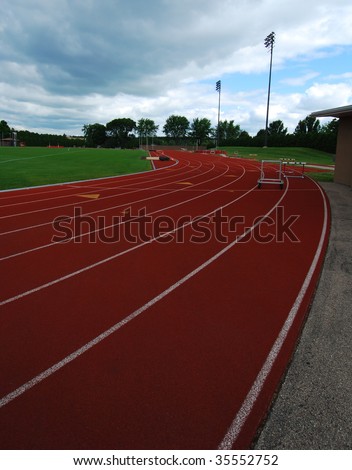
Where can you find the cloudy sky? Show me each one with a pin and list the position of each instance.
(66, 63)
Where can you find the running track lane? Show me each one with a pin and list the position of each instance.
(170, 345)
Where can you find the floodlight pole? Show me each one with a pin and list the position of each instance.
(218, 88)
(269, 44)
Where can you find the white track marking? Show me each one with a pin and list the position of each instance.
(247, 405)
(51, 370)
(108, 208)
(90, 201)
(38, 156)
(49, 245)
(68, 183)
(153, 164)
(100, 199)
(85, 202)
(98, 263)
(166, 176)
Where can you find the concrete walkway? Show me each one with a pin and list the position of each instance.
(313, 409)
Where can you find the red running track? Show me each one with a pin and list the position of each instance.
(174, 339)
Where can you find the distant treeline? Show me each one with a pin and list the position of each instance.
(32, 139)
(126, 133)
(10, 136)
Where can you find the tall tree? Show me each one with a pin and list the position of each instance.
(308, 125)
(5, 130)
(146, 128)
(119, 131)
(200, 129)
(176, 127)
(327, 137)
(94, 134)
(277, 128)
(331, 127)
(228, 130)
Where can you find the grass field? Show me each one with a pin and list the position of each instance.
(298, 153)
(34, 166)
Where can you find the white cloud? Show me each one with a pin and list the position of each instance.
(68, 63)
(326, 95)
(343, 76)
(300, 80)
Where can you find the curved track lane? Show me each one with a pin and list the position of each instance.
(166, 317)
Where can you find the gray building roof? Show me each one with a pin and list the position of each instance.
(344, 111)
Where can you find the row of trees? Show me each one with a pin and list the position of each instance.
(34, 139)
(125, 132)
(178, 130)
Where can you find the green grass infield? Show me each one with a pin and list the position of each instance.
(275, 153)
(22, 167)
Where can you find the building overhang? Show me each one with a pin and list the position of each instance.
(344, 111)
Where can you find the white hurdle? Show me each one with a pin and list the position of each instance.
(266, 167)
(293, 173)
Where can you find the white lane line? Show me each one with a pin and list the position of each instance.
(128, 192)
(51, 370)
(33, 201)
(49, 245)
(105, 260)
(247, 405)
(38, 156)
(100, 199)
(114, 196)
(68, 183)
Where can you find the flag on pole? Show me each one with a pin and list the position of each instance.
(218, 85)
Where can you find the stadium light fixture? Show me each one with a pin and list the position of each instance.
(218, 89)
(269, 44)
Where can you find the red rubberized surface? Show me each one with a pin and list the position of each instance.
(165, 343)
